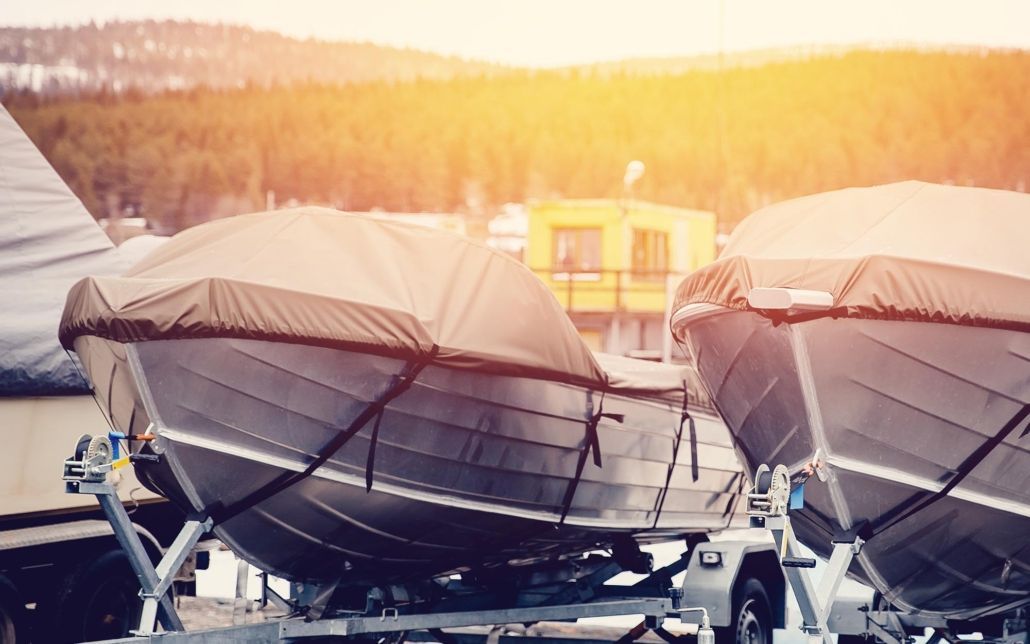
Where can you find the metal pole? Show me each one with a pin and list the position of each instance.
(670, 290)
(239, 606)
(138, 559)
(840, 561)
(800, 583)
(618, 291)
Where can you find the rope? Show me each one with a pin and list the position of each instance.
(92, 390)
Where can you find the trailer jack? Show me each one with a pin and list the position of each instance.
(86, 473)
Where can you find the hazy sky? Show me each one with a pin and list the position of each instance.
(556, 32)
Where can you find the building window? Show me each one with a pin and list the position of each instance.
(650, 254)
(576, 253)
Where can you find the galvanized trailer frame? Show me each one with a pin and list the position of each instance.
(823, 614)
(390, 623)
(158, 606)
(86, 473)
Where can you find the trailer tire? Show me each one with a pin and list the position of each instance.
(13, 621)
(752, 621)
(98, 600)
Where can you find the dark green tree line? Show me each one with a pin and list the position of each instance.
(730, 143)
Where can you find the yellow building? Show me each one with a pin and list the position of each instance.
(612, 263)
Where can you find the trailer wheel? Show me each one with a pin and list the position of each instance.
(98, 600)
(12, 613)
(752, 613)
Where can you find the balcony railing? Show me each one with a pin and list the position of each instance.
(608, 290)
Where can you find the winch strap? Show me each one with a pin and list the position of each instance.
(961, 472)
(287, 479)
(591, 443)
(684, 417)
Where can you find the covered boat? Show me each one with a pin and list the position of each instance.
(359, 400)
(48, 241)
(884, 333)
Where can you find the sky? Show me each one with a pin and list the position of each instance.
(546, 33)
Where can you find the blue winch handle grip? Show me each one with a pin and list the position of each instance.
(115, 437)
(797, 498)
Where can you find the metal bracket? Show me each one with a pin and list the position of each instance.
(153, 593)
(815, 604)
(391, 621)
(81, 478)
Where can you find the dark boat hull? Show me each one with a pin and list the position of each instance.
(469, 470)
(924, 430)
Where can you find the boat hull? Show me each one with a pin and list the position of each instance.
(469, 470)
(923, 427)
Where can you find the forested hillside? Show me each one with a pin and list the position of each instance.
(151, 55)
(728, 142)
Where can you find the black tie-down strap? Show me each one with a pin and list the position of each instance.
(221, 514)
(370, 462)
(912, 505)
(688, 420)
(591, 443)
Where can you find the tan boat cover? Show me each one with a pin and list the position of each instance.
(903, 251)
(318, 276)
(657, 380)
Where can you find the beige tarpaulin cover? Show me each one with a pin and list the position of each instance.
(654, 379)
(904, 251)
(318, 276)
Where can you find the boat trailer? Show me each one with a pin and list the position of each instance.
(822, 613)
(95, 457)
(768, 506)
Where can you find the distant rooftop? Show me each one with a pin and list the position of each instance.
(631, 204)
